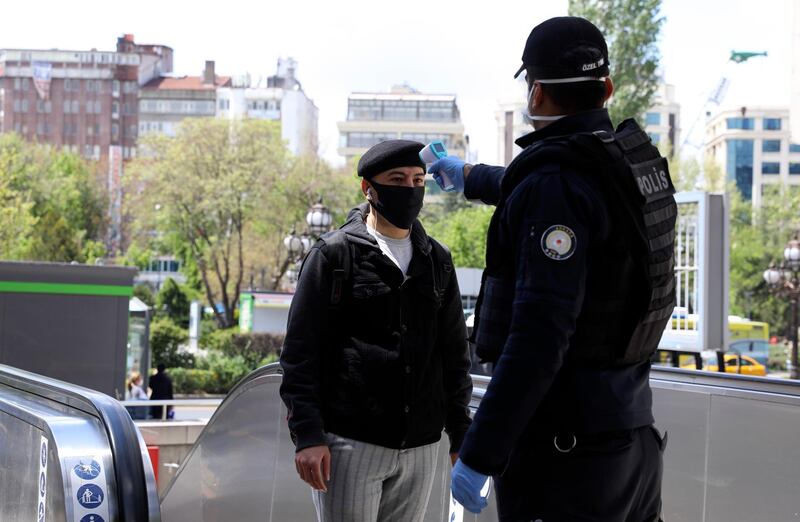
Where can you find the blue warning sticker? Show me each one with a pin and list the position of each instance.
(91, 517)
(41, 483)
(90, 496)
(87, 471)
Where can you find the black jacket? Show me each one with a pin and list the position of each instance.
(536, 389)
(387, 365)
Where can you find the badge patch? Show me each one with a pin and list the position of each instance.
(558, 242)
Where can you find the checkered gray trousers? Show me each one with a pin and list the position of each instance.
(371, 483)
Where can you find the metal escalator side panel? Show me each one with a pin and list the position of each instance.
(134, 490)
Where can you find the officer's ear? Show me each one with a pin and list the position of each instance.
(609, 89)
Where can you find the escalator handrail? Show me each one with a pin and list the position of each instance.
(749, 383)
(129, 472)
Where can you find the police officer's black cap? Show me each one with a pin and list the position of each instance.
(390, 154)
(565, 47)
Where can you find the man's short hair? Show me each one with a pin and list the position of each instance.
(576, 97)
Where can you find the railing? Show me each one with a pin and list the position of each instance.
(174, 403)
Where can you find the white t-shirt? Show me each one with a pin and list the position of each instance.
(398, 250)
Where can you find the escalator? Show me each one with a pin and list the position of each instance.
(69, 454)
(733, 454)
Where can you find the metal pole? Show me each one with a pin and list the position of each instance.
(795, 369)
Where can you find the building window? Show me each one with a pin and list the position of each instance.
(114, 110)
(794, 168)
(771, 146)
(67, 106)
(654, 137)
(794, 147)
(114, 131)
(772, 124)
(115, 87)
(652, 118)
(76, 107)
(43, 128)
(24, 105)
(43, 106)
(89, 130)
(367, 139)
(740, 123)
(364, 110)
(740, 166)
(25, 84)
(17, 84)
(437, 111)
(89, 107)
(17, 105)
(770, 167)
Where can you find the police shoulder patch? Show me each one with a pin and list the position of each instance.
(558, 242)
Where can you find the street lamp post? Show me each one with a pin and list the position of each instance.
(318, 220)
(784, 279)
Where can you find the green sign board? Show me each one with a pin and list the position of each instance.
(246, 303)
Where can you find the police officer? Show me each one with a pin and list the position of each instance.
(577, 290)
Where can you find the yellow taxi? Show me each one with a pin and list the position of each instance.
(734, 363)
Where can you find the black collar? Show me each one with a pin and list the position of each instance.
(586, 121)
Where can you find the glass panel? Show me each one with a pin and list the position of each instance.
(794, 168)
(772, 124)
(771, 146)
(770, 167)
(740, 166)
(653, 118)
(740, 123)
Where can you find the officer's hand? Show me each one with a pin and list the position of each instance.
(466, 485)
(451, 167)
(314, 466)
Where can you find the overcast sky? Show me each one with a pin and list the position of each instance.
(470, 49)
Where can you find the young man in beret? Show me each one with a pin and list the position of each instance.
(375, 361)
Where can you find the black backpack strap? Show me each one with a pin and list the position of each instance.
(339, 256)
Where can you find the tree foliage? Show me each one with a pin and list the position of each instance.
(631, 28)
(758, 237)
(222, 195)
(52, 208)
(463, 231)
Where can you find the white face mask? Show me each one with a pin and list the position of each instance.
(530, 117)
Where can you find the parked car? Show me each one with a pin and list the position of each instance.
(734, 363)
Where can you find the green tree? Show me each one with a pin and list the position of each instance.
(222, 195)
(53, 208)
(631, 28)
(175, 301)
(758, 237)
(464, 233)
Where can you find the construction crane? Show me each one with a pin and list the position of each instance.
(717, 94)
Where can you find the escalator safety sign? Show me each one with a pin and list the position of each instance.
(88, 488)
(41, 482)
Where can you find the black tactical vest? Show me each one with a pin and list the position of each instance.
(630, 283)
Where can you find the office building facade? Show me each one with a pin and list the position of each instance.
(754, 148)
(164, 102)
(401, 113)
(280, 98)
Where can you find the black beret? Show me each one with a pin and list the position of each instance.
(388, 155)
(565, 47)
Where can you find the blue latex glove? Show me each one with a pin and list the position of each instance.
(453, 168)
(466, 485)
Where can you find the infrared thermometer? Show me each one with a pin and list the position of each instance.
(433, 151)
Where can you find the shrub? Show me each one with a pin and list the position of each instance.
(253, 347)
(191, 380)
(225, 371)
(166, 338)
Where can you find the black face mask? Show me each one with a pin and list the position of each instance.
(399, 205)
